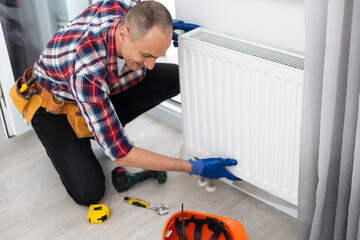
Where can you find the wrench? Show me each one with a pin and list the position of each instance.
(161, 209)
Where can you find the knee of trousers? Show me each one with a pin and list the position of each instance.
(89, 194)
(171, 87)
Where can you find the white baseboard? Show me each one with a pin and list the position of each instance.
(264, 196)
(168, 112)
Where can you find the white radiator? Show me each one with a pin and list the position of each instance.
(242, 100)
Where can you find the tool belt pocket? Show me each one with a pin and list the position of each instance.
(19, 100)
(29, 99)
(26, 104)
(78, 122)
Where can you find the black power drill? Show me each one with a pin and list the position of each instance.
(123, 180)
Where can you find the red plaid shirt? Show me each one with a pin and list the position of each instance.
(79, 65)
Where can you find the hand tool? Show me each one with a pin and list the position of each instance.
(161, 209)
(25, 90)
(123, 180)
(98, 213)
(30, 82)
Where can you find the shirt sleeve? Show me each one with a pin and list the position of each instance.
(90, 87)
(100, 115)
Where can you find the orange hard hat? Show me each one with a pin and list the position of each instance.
(188, 225)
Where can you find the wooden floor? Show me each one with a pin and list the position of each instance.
(35, 205)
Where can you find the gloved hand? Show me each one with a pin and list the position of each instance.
(213, 168)
(180, 25)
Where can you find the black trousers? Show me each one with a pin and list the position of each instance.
(73, 158)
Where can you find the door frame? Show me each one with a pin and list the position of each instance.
(12, 121)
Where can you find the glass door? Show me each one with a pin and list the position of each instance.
(26, 26)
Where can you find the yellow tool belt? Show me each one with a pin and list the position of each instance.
(28, 96)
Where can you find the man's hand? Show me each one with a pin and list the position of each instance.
(180, 25)
(213, 168)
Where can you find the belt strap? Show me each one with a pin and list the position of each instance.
(51, 103)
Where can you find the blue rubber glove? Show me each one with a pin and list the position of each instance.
(180, 25)
(213, 168)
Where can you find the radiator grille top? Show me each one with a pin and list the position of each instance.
(250, 49)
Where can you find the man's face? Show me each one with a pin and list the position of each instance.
(144, 51)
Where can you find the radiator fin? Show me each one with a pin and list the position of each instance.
(250, 49)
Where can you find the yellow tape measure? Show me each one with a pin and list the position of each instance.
(98, 213)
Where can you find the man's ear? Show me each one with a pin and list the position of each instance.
(124, 33)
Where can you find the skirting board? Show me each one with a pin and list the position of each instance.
(168, 112)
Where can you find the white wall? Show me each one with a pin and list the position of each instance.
(74, 8)
(170, 5)
(275, 23)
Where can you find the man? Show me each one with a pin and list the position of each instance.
(99, 61)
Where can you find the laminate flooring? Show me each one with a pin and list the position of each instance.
(35, 205)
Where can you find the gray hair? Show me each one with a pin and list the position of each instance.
(144, 16)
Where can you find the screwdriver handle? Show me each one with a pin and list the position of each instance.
(136, 202)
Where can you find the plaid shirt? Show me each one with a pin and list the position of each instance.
(79, 65)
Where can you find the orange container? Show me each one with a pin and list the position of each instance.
(234, 228)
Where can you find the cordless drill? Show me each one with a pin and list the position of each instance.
(123, 180)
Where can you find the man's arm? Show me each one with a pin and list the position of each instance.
(141, 158)
(212, 168)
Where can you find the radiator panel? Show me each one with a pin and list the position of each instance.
(240, 106)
